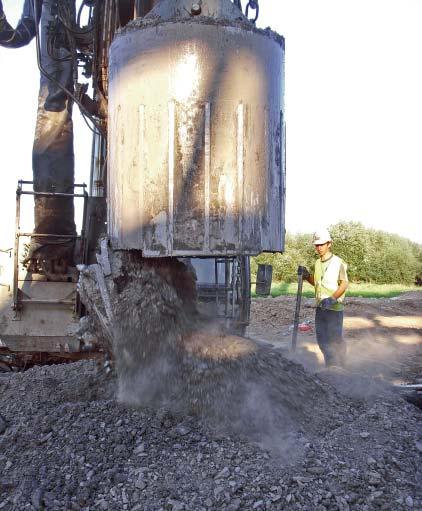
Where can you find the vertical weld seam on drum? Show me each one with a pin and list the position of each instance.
(142, 169)
(240, 162)
(171, 121)
(207, 136)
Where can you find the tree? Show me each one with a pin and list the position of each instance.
(371, 255)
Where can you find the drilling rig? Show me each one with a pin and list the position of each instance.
(185, 102)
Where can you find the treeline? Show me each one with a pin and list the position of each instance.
(372, 256)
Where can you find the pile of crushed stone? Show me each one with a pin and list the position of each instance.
(66, 443)
(169, 356)
(196, 419)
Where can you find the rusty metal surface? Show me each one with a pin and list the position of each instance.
(195, 139)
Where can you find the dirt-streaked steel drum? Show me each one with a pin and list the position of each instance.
(196, 134)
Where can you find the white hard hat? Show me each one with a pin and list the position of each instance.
(320, 237)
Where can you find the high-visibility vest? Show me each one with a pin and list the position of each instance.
(327, 279)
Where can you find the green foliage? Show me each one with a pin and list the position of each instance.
(299, 252)
(351, 242)
(417, 253)
(361, 290)
(371, 255)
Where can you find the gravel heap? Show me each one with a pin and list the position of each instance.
(67, 443)
(169, 356)
(197, 419)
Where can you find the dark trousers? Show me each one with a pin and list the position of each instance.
(329, 333)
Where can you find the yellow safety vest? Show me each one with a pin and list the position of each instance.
(327, 279)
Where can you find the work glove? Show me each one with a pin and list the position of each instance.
(327, 303)
(304, 271)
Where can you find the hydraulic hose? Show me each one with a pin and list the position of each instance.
(43, 71)
(25, 30)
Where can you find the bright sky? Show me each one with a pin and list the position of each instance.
(353, 110)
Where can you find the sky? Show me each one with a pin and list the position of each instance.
(353, 112)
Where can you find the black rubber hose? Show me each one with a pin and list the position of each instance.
(84, 111)
(25, 30)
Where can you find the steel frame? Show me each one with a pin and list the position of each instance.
(17, 301)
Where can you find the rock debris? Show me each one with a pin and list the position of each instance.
(195, 419)
(69, 444)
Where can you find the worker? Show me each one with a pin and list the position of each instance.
(330, 282)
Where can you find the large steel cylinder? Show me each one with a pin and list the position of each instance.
(196, 148)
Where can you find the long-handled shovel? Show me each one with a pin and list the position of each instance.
(298, 302)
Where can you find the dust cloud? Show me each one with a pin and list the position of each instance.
(168, 356)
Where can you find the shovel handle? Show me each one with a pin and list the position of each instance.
(298, 303)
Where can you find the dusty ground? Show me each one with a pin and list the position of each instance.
(383, 336)
(336, 440)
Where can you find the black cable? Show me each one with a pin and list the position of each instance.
(78, 17)
(50, 51)
(80, 10)
(67, 22)
(84, 111)
(94, 130)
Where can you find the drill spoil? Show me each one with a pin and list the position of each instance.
(206, 420)
(168, 356)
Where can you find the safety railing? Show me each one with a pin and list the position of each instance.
(17, 300)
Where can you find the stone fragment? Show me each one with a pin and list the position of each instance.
(316, 470)
(3, 425)
(301, 480)
(234, 505)
(223, 473)
(342, 504)
(176, 505)
(140, 483)
(120, 477)
(377, 494)
(179, 431)
(409, 501)
(218, 490)
(37, 499)
(374, 478)
(119, 450)
(139, 449)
